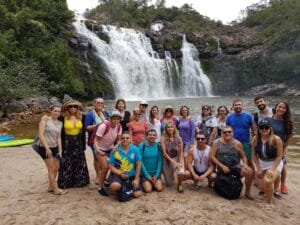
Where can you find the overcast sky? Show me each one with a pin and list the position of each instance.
(224, 10)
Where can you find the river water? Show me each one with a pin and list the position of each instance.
(196, 103)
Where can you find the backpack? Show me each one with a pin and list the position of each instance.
(228, 185)
(126, 191)
(93, 135)
(255, 118)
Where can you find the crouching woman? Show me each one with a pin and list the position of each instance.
(267, 154)
(125, 165)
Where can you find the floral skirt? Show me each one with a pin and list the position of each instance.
(74, 171)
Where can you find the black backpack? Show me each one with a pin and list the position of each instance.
(228, 185)
(126, 191)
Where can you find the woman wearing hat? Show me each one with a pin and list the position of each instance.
(168, 116)
(74, 172)
(267, 154)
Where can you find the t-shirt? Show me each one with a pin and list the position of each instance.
(107, 141)
(186, 130)
(241, 124)
(151, 159)
(125, 161)
(138, 130)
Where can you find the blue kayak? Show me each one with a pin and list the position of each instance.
(6, 138)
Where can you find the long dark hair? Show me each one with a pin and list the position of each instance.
(287, 119)
(151, 116)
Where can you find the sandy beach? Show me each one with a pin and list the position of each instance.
(24, 200)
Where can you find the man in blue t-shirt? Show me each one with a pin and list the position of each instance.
(125, 163)
(241, 123)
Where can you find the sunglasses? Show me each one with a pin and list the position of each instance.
(137, 114)
(205, 109)
(198, 139)
(227, 132)
(72, 106)
(264, 128)
(101, 103)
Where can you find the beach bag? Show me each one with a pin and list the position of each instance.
(35, 145)
(126, 191)
(93, 135)
(228, 185)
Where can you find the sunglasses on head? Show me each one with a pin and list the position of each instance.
(264, 127)
(199, 138)
(72, 106)
(227, 132)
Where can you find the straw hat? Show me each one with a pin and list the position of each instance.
(72, 102)
(169, 107)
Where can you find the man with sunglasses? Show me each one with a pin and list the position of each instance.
(241, 123)
(226, 154)
(199, 166)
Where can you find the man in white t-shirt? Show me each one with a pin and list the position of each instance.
(199, 166)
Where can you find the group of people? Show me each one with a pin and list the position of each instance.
(149, 152)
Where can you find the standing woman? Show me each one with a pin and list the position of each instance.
(96, 116)
(186, 128)
(267, 154)
(172, 148)
(282, 126)
(221, 119)
(168, 116)
(50, 146)
(154, 122)
(125, 115)
(207, 124)
(74, 172)
(137, 128)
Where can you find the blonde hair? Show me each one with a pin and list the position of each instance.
(165, 134)
(270, 139)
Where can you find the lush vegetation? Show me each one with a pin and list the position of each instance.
(34, 53)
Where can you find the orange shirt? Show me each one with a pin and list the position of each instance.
(138, 130)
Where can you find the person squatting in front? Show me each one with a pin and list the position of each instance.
(107, 134)
(151, 162)
(226, 154)
(125, 164)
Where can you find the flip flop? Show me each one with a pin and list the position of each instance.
(60, 192)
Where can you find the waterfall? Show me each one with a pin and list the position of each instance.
(135, 69)
(193, 80)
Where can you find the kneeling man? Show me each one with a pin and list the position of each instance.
(226, 154)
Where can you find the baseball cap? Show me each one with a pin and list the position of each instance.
(144, 103)
(115, 114)
(264, 122)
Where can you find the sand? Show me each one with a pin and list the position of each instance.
(24, 200)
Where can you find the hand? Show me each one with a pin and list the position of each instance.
(178, 165)
(259, 174)
(135, 184)
(225, 169)
(124, 176)
(201, 178)
(48, 152)
(153, 180)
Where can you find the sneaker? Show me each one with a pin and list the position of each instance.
(102, 192)
(180, 188)
(284, 189)
(261, 193)
(277, 195)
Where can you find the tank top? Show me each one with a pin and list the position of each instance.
(265, 152)
(227, 154)
(279, 129)
(172, 148)
(201, 159)
(52, 132)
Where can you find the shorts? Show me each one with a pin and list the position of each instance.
(247, 150)
(265, 165)
(42, 152)
(102, 152)
(197, 172)
(114, 178)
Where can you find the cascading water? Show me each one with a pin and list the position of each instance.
(135, 69)
(193, 81)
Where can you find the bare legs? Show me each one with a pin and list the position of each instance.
(52, 165)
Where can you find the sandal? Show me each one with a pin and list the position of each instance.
(284, 189)
(277, 195)
(180, 188)
(60, 192)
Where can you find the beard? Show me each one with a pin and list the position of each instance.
(237, 110)
(261, 107)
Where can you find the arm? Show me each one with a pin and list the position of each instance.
(136, 180)
(181, 155)
(212, 135)
(89, 122)
(254, 156)
(159, 163)
(242, 154)
(278, 153)
(42, 126)
(284, 146)
(59, 145)
(192, 127)
(144, 170)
